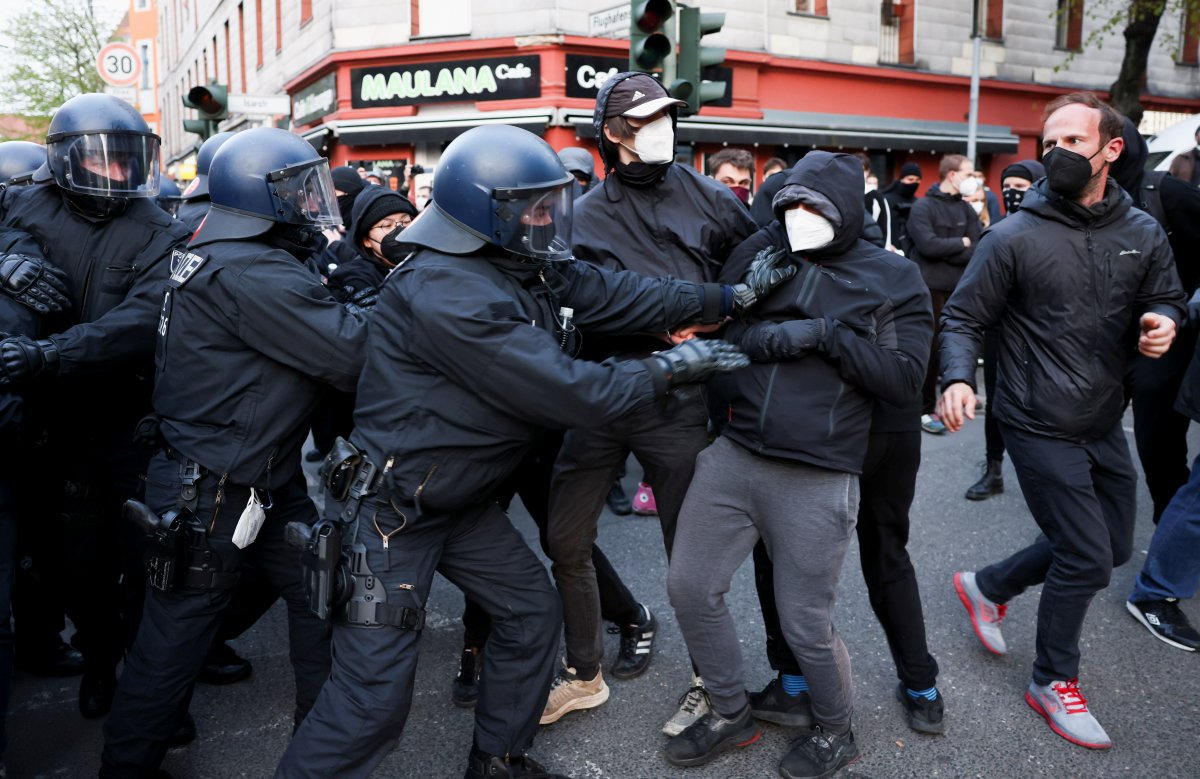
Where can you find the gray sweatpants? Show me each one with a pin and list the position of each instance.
(805, 516)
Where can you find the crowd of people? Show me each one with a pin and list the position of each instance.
(769, 355)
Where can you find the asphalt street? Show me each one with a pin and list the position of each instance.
(1145, 693)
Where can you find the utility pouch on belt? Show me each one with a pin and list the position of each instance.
(325, 573)
(341, 466)
(167, 536)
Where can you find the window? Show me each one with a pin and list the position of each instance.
(278, 26)
(1189, 37)
(896, 32)
(990, 14)
(813, 7)
(1069, 24)
(258, 29)
(228, 59)
(443, 17)
(305, 12)
(242, 44)
(142, 5)
(144, 54)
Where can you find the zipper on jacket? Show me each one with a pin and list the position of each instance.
(762, 412)
(833, 409)
(421, 488)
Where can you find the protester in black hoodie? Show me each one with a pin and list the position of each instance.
(901, 194)
(851, 327)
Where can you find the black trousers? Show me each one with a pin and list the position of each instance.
(1158, 429)
(929, 389)
(363, 707)
(1082, 496)
(178, 627)
(665, 437)
(887, 486)
(531, 481)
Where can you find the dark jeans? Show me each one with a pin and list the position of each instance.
(665, 437)
(930, 388)
(887, 485)
(531, 481)
(362, 709)
(1158, 429)
(993, 440)
(1082, 497)
(1172, 567)
(178, 627)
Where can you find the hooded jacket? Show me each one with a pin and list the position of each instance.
(364, 270)
(817, 408)
(684, 225)
(1065, 284)
(936, 226)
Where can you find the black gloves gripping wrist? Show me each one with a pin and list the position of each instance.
(35, 283)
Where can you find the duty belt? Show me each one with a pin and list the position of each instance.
(366, 483)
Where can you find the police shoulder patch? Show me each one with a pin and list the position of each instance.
(183, 266)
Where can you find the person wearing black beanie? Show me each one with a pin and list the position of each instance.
(900, 196)
(347, 184)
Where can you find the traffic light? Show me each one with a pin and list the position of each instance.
(694, 58)
(212, 103)
(651, 38)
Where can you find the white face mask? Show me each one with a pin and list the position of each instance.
(654, 144)
(977, 205)
(968, 186)
(869, 187)
(807, 231)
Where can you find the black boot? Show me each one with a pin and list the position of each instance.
(464, 691)
(484, 766)
(991, 483)
(618, 501)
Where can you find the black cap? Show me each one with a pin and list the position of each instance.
(638, 97)
(1030, 170)
(910, 169)
(347, 180)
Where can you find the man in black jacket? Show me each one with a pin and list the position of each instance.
(659, 218)
(854, 325)
(86, 382)
(942, 233)
(468, 363)
(1064, 278)
(901, 195)
(247, 335)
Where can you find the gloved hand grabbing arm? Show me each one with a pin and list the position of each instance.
(365, 298)
(778, 341)
(695, 360)
(22, 358)
(34, 283)
(768, 270)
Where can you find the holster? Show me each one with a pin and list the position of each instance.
(368, 606)
(349, 476)
(166, 543)
(325, 570)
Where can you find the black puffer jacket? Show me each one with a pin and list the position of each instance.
(936, 226)
(1065, 284)
(817, 408)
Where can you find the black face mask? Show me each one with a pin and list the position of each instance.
(641, 175)
(95, 206)
(345, 203)
(1068, 173)
(908, 190)
(1012, 199)
(300, 241)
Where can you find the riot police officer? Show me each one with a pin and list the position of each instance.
(468, 360)
(86, 381)
(195, 197)
(247, 336)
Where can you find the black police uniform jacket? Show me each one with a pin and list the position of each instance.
(817, 408)
(248, 335)
(116, 269)
(1065, 284)
(465, 366)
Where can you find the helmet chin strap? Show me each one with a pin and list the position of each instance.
(95, 206)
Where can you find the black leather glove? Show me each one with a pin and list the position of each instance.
(777, 341)
(35, 283)
(22, 358)
(365, 298)
(696, 360)
(769, 269)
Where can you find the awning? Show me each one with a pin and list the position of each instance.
(423, 128)
(794, 128)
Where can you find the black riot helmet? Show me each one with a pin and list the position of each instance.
(498, 185)
(100, 149)
(18, 161)
(169, 196)
(265, 177)
(198, 189)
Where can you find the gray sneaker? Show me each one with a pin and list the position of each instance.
(692, 706)
(1066, 712)
(985, 615)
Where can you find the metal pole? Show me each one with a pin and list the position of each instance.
(973, 112)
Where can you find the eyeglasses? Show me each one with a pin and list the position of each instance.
(388, 225)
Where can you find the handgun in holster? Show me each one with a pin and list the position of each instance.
(166, 541)
(325, 573)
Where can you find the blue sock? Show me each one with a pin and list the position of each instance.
(793, 684)
(930, 695)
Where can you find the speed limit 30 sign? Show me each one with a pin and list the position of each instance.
(119, 65)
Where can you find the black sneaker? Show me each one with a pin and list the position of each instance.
(924, 715)
(224, 666)
(637, 646)
(711, 735)
(773, 704)
(1166, 622)
(819, 755)
(483, 766)
(618, 501)
(464, 690)
(96, 691)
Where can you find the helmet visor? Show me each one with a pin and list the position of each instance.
(106, 164)
(535, 223)
(305, 194)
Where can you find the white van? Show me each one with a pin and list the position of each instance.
(1179, 137)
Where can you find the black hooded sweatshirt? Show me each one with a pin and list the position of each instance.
(817, 408)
